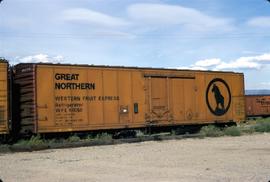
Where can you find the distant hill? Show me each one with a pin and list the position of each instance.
(257, 92)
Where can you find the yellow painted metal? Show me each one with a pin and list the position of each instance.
(82, 98)
(4, 98)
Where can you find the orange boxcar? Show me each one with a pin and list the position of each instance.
(4, 98)
(258, 105)
(62, 98)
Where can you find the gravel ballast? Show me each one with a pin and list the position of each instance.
(245, 158)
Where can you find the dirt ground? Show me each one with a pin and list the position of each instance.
(245, 158)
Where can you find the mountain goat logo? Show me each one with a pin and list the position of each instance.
(219, 88)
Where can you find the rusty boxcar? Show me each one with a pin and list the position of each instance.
(63, 98)
(257, 105)
(4, 97)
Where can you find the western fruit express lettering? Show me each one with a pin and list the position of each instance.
(69, 84)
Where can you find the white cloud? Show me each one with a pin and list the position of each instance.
(151, 16)
(41, 58)
(15, 22)
(238, 64)
(112, 33)
(198, 68)
(208, 62)
(162, 14)
(262, 58)
(190, 68)
(83, 15)
(250, 62)
(262, 22)
(265, 84)
(242, 63)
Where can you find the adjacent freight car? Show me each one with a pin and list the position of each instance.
(257, 105)
(64, 98)
(4, 98)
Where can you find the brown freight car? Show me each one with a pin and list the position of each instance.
(62, 98)
(4, 98)
(257, 105)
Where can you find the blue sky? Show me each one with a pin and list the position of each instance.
(224, 35)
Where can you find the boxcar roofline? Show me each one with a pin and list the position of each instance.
(254, 95)
(129, 67)
(2, 60)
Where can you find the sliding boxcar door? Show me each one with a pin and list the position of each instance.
(157, 100)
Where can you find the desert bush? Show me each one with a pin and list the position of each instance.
(262, 125)
(232, 131)
(90, 137)
(33, 141)
(210, 131)
(73, 138)
(104, 136)
(139, 133)
(36, 140)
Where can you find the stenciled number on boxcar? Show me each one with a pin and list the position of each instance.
(222, 103)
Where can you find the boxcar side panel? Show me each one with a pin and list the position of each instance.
(4, 98)
(177, 100)
(125, 97)
(258, 105)
(221, 91)
(82, 98)
(238, 99)
(216, 97)
(110, 89)
(78, 98)
(45, 94)
(138, 99)
(200, 90)
(189, 99)
(95, 108)
(77, 108)
(158, 101)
